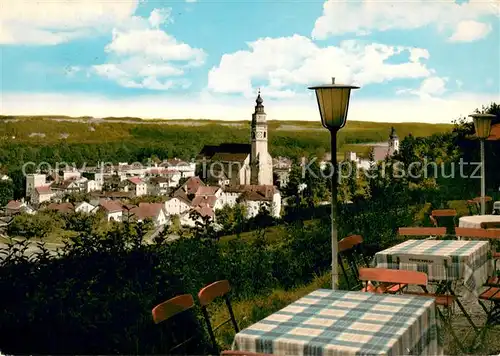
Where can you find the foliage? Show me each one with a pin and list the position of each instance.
(6, 192)
(37, 225)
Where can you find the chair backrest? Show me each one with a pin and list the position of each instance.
(349, 242)
(241, 353)
(384, 275)
(486, 199)
(444, 212)
(171, 307)
(422, 231)
(206, 296)
(477, 233)
(217, 289)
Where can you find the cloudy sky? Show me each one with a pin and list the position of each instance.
(420, 60)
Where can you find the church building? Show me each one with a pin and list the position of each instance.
(237, 163)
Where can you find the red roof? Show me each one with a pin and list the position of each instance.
(14, 205)
(110, 206)
(204, 200)
(62, 208)
(44, 189)
(135, 180)
(146, 210)
(190, 186)
(204, 211)
(207, 190)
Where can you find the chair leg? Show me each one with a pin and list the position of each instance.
(231, 314)
(215, 347)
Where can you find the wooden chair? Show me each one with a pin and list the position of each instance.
(477, 201)
(422, 231)
(170, 309)
(405, 278)
(241, 353)
(206, 296)
(493, 235)
(443, 213)
(350, 249)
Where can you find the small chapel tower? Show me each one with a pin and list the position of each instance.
(393, 140)
(260, 161)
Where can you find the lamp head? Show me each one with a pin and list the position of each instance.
(482, 124)
(333, 103)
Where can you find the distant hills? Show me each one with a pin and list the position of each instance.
(27, 138)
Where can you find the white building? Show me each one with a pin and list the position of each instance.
(177, 206)
(34, 181)
(112, 209)
(255, 196)
(137, 186)
(41, 194)
(152, 211)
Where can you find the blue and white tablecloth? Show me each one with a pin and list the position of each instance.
(327, 322)
(443, 260)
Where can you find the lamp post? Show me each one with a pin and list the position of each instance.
(333, 103)
(482, 126)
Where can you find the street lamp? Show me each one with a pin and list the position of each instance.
(333, 103)
(482, 126)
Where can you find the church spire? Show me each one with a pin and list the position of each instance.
(259, 108)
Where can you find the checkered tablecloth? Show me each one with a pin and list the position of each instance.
(475, 221)
(442, 260)
(327, 322)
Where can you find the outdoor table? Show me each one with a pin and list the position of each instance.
(476, 221)
(327, 322)
(442, 260)
(445, 261)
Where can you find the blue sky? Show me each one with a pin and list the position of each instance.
(415, 61)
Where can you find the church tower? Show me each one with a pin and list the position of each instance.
(393, 141)
(261, 164)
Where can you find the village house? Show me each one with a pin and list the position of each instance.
(86, 208)
(189, 188)
(152, 211)
(112, 209)
(176, 206)
(34, 181)
(15, 207)
(185, 169)
(137, 186)
(41, 194)
(68, 186)
(253, 197)
(158, 186)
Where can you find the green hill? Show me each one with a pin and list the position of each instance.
(86, 139)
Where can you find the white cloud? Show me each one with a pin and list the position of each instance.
(431, 87)
(362, 17)
(160, 16)
(287, 61)
(468, 31)
(144, 56)
(55, 22)
(210, 106)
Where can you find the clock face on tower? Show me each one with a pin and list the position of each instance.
(259, 134)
